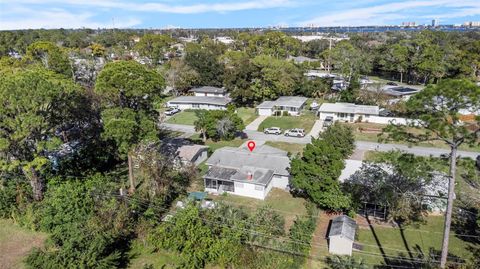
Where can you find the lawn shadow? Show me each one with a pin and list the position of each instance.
(385, 258)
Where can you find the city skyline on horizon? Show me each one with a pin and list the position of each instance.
(187, 14)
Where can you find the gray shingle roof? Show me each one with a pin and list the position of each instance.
(349, 108)
(261, 157)
(208, 89)
(210, 100)
(216, 172)
(343, 226)
(290, 101)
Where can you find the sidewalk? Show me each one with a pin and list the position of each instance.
(253, 126)
(316, 129)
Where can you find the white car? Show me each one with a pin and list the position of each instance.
(273, 130)
(172, 111)
(296, 132)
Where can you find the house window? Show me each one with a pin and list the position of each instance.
(195, 105)
(367, 116)
(258, 188)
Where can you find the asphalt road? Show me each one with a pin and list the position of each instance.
(361, 145)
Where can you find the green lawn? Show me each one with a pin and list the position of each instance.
(417, 239)
(214, 145)
(280, 200)
(16, 242)
(141, 256)
(186, 117)
(247, 114)
(362, 135)
(293, 148)
(305, 121)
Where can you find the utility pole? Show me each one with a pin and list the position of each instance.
(448, 214)
(130, 175)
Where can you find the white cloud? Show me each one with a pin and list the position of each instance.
(165, 7)
(386, 13)
(59, 18)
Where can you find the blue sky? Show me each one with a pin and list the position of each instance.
(26, 14)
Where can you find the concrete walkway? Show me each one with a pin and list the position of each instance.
(253, 126)
(316, 129)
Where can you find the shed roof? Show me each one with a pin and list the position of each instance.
(289, 101)
(208, 89)
(188, 152)
(349, 108)
(343, 226)
(210, 100)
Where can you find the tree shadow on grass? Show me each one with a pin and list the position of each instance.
(431, 260)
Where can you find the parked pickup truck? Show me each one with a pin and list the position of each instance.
(295, 132)
(328, 121)
(172, 111)
(273, 130)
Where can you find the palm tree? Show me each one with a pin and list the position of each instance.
(201, 124)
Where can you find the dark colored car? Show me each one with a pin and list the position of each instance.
(478, 162)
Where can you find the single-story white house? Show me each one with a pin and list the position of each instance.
(199, 102)
(209, 91)
(347, 112)
(301, 59)
(292, 104)
(251, 174)
(341, 235)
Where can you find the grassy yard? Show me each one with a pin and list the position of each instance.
(141, 256)
(247, 114)
(16, 242)
(414, 239)
(305, 121)
(280, 200)
(373, 136)
(214, 145)
(289, 147)
(186, 117)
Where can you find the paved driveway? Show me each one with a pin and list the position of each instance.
(253, 126)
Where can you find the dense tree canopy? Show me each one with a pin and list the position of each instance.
(315, 173)
(49, 56)
(30, 102)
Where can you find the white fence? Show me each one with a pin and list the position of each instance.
(387, 120)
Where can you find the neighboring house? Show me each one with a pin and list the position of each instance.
(192, 154)
(341, 235)
(347, 112)
(396, 93)
(436, 191)
(199, 102)
(224, 39)
(301, 59)
(251, 174)
(313, 74)
(292, 104)
(209, 91)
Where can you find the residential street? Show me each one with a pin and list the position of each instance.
(361, 145)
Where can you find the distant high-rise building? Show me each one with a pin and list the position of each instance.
(472, 23)
(434, 23)
(409, 23)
